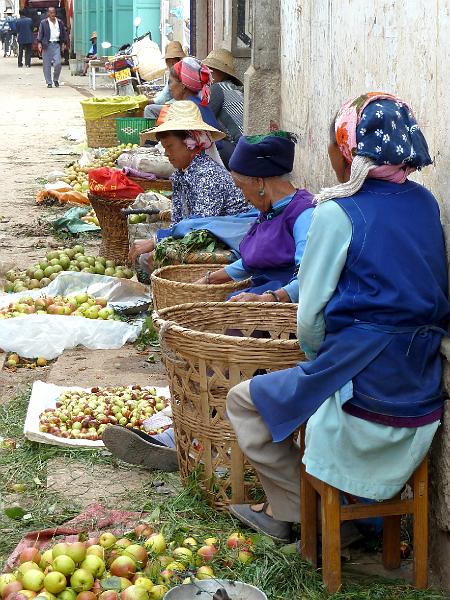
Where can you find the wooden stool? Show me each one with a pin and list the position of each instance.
(333, 514)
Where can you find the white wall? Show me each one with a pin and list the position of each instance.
(335, 49)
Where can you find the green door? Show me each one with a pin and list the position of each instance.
(150, 13)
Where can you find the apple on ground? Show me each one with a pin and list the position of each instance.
(183, 554)
(59, 549)
(123, 566)
(11, 588)
(26, 566)
(123, 543)
(46, 559)
(33, 580)
(94, 565)
(236, 540)
(95, 550)
(138, 554)
(205, 572)
(107, 539)
(245, 557)
(109, 595)
(207, 553)
(24, 595)
(5, 579)
(82, 580)
(67, 594)
(158, 592)
(55, 582)
(156, 544)
(143, 530)
(77, 551)
(45, 595)
(134, 592)
(86, 596)
(30, 555)
(144, 582)
(64, 564)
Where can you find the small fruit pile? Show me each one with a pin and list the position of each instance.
(86, 414)
(91, 218)
(80, 305)
(14, 361)
(143, 565)
(77, 176)
(68, 259)
(135, 219)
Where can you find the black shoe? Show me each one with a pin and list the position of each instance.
(134, 447)
(49, 85)
(56, 83)
(280, 531)
(20, 66)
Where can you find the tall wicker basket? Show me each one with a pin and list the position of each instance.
(175, 285)
(203, 363)
(114, 226)
(101, 133)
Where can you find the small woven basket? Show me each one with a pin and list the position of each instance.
(175, 285)
(101, 133)
(203, 364)
(154, 185)
(114, 226)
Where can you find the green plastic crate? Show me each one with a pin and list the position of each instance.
(129, 128)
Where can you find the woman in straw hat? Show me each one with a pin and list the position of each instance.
(174, 53)
(201, 185)
(227, 94)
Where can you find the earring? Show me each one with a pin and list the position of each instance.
(261, 192)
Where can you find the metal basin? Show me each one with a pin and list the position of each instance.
(204, 590)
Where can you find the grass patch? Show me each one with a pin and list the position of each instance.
(279, 571)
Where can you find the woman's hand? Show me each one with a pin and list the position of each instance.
(140, 247)
(214, 277)
(249, 297)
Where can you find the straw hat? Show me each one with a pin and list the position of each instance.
(174, 50)
(222, 60)
(184, 115)
(93, 35)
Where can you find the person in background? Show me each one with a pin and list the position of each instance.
(174, 53)
(24, 28)
(273, 248)
(227, 97)
(92, 52)
(373, 309)
(7, 38)
(52, 42)
(202, 187)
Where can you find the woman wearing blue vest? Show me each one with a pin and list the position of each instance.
(373, 309)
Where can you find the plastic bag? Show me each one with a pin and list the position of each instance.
(55, 176)
(148, 160)
(111, 183)
(98, 108)
(71, 221)
(150, 62)
(62, 195)
(49, 335)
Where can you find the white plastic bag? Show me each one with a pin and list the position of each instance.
(147, 160)
(49, 335)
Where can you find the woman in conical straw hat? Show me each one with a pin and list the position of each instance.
(201, 185)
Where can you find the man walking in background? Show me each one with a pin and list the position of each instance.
(52, 41)
(24, 28)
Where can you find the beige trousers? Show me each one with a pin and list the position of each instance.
(277, 464)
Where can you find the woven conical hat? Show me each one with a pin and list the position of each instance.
(184, 115)
(222, 60)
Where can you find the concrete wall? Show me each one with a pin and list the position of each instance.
(333, 49)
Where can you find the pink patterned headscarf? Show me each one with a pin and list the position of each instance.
(195, 76)
(346, 124)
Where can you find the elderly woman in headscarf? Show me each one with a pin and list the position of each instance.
(273, 248)
(373, 309)
(202, 187)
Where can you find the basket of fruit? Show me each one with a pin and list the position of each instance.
(208, 347)
(175, 284)
(114, 226)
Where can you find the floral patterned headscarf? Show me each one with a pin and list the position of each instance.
(382, 127)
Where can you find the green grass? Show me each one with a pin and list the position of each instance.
(279, 571)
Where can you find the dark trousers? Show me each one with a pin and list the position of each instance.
(27, 49)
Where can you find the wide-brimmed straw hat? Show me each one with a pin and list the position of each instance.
(93, 35)
(174, 50)
(222, 60)
(184, 115)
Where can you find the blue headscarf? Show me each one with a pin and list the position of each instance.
(270, 155)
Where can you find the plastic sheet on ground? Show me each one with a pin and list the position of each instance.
(91, 522)
(71, 221)
(49, 335)
(45, 395)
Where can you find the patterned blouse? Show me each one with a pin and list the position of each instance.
(205, 189)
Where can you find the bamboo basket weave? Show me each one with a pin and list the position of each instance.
(203, 364)
(114, 226)
(101, 133)
(155, 184)
(175, 285)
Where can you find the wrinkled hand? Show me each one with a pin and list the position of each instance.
(248, 297)
(140, 247)
(201, 281)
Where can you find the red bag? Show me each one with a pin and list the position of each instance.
(112, 183)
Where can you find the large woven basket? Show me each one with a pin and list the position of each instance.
(101, 133)
(114, 226)
(199, 257)
(175, 285)
(203, 364)
(154, 185)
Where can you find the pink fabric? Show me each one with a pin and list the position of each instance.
(195, 76)
(348, 119)
(198, 139)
